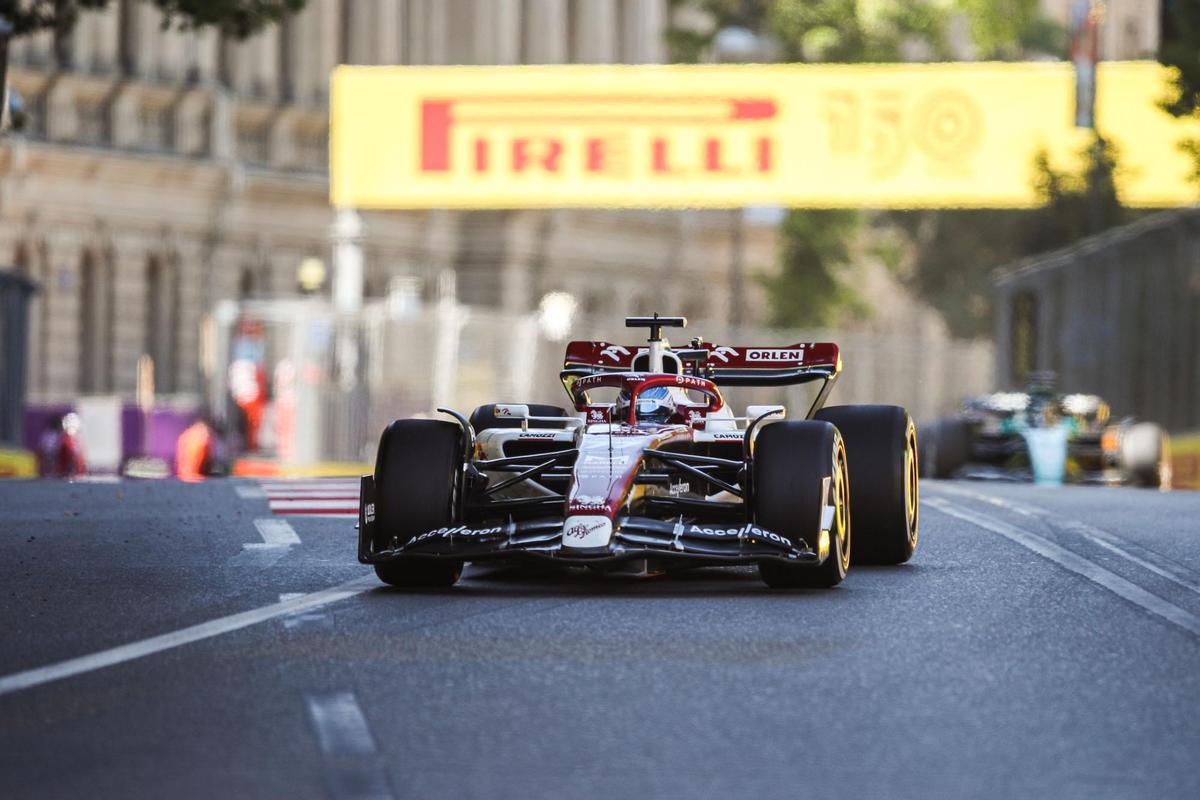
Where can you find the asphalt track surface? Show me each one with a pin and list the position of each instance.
(1042, 643)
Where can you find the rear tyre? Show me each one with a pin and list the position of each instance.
(418, 471)
(881, 445)
(1145, 455)
(485, 417)
(791, 462)
(945, 447)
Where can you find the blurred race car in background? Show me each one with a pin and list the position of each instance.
(1043, 436)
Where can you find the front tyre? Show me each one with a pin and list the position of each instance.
(416, 573)
(418, 471)
(881, 443)
(794, 461)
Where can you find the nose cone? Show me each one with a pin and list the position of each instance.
(603, 477)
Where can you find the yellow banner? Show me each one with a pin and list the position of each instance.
(820, 136)
(1185, 461)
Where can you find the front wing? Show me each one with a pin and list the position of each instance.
(633, 538)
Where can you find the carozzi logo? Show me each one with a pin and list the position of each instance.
(605, 136)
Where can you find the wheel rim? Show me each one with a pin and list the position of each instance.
(841, 505)
(912, 504)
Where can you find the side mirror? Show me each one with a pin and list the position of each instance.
(754, 412)
(513, 411)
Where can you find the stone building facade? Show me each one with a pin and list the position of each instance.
(163, 171)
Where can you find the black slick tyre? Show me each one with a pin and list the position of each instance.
(417, 473)
(945, 447)
(881, 448)
(792, 461)
(485, 417)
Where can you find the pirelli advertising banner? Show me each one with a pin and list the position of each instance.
(884, 136)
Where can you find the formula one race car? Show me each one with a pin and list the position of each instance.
(663, 475)
(1046, 437)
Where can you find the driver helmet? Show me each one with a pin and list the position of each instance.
(654, 405)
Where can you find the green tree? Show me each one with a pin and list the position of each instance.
(814, 284)
(810, 288)
(1075, 205)
(236, 18)
(239, 18)
(954, 252)
(1181, 49)
(1007, 30)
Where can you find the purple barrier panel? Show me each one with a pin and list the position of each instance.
(36, 417)
(131, 432)
(162, 432)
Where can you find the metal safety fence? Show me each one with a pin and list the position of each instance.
(1117, 315)
(15, 292)
(332, 383)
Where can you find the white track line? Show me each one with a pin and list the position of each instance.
(168, 641)
(293, 621)
(1148, 560)
(278, 539)
(1077, 564)
(353, 769)
(340, 725)
(276, 532)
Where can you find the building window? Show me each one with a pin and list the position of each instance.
(162, 306)
(91, 346)
(572, 54)
(346, 22)
(21, 259)
(287, 71)
(246, 287)
(127, 35)
(93, 122)
(254, 142)
(226, 55)
(158, 128)
(623, 50)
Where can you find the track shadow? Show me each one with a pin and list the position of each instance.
(517, 581)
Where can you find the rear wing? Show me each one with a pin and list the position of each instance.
(722, 364)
